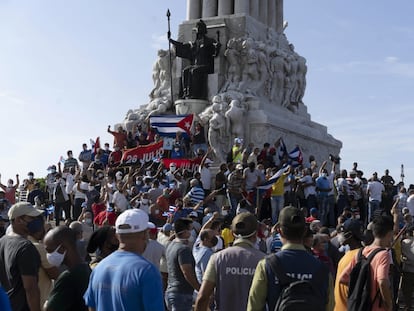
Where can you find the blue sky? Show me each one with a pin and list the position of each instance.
(68, 69)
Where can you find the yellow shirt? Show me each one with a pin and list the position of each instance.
(278, 188)
(341, 290)
(227, 236)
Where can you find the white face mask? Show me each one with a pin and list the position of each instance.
(224, 213)
(138, 182)
(144, 201)
(266, 233)
(30, 177)
(88, 221)
(90, 188)
(55, 258)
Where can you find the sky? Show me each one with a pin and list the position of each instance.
(68, 69)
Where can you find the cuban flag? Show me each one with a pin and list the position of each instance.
(268, 183)
(295, 157)
(169, 125)
(282, 152)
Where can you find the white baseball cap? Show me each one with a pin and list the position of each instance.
(131, 221)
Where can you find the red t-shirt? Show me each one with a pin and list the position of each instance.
(100, 219)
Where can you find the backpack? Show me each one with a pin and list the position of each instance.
(295, 295)
(359, 293)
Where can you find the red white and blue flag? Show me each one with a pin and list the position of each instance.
(169, 125)
(268, 183)
(282, 151)
(295, 157)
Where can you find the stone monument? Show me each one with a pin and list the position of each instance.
(256, 89)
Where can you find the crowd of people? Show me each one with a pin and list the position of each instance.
(255, 233)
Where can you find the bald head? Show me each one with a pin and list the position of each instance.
(61, 236)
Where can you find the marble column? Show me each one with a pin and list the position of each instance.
(241, 7)
(193, 9)
(225, 7)
(254, 9)
(209, 8)
(279, 16)
(263, 11)
(271, 14)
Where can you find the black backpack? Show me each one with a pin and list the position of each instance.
(296, 295)
(359, 292)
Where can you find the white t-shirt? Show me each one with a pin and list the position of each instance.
(410, 204)
(375, 189)
(251, 178)
(205, 177)
(309, 190)
(78, 194)
(120, 201)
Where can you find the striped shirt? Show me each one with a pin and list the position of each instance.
(196, 195)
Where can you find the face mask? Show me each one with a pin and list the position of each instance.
(323, 174)
(53, 171)
(224, 213)
(357, 216)
(145, 201)
(138, 182)
(55, 258)
(341, 238)
(91, 188)
(176, 149)
(262, 171)
(118, 177)
(88, 221)
(10, 184)
(266, 233)
(148, 173)
(30, 177)
(214, 241)
(35, 225)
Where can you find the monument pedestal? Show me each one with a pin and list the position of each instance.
(187, 106)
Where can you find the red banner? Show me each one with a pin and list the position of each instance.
(185, 164)
(142, 154)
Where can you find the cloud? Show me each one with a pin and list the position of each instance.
(159, 41)
(390, 65)
(7, 97)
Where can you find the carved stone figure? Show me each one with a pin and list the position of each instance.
(232, 55)
(161, 76)
(201, 54)
(278, 69)
(217, 132)
(235, 118)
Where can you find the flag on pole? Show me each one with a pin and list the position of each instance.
(282, 151)
(268, 183)
(96, 145)
(169, 125)
(295, 157)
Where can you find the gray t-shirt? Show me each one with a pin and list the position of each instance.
(178, 254)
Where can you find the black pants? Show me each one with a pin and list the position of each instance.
(65, 206)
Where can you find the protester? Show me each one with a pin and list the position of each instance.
(382, 228)
(230, 271)
(68, 290)
(125, 280)
(293, 260)
(19, 259)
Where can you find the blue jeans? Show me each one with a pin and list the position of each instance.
(178, 301)
(373, 206)
(276, 203)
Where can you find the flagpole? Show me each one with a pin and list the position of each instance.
(170, 56)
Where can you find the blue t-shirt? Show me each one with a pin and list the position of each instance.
(125, 281)
(4, 301)
(322, 183)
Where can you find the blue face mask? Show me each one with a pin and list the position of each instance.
(35, 225)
